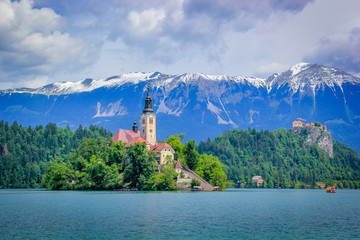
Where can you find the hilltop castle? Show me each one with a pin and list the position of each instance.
(299, 123)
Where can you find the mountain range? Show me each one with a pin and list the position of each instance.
(199, 105)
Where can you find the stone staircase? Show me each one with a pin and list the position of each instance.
(204, 184)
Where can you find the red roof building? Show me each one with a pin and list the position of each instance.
(125, 135)
(297, 124)
(136, 140)
(160, 146)
(165, 153)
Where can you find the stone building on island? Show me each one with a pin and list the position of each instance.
(165, 154)
(147, 134)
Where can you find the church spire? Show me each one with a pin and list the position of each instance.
(148, 102)
(148, 120)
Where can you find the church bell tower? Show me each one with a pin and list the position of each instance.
(148, 121)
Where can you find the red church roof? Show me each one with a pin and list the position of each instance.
(161, 146)
(136, 140)
(125, 135)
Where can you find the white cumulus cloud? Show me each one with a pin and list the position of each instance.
(31, 41)
(147, 21)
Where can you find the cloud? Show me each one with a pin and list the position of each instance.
(166, 32)
(71, 40)
(32, 43)
(222, 37)
(272, 67)
(343, 53)
(146, 22)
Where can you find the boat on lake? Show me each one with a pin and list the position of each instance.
(197, 188)
(330, 190)
(126, 189)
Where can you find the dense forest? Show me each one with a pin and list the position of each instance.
(25, 152)
(283, 159)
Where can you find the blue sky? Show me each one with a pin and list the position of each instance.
(44, 41)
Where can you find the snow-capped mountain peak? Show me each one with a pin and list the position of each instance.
(304, 76)
(88, 85)
(299, 67)
(299, 77)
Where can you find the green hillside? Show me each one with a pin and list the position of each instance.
(283, 159)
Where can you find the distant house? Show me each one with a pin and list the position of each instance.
(71, 181)
(258, 180)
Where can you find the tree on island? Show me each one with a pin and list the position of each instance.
(191, 155)
(176, 142)
(195, 182)
(141, 168)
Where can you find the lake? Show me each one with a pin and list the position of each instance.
(232, 214)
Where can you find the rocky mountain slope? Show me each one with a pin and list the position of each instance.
(198, 105)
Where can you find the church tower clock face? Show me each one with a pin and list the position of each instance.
(148, 121)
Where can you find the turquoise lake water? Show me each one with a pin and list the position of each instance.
(232, 214)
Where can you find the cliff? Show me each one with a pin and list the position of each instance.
(316, 135)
